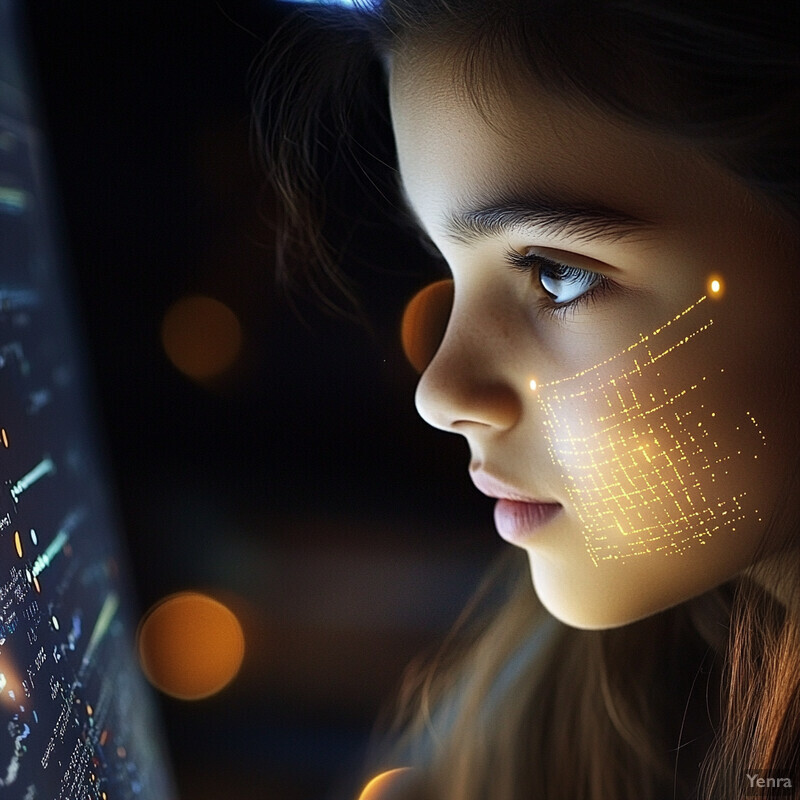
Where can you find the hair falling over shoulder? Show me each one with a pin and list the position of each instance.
(528, 707)
(516, 705)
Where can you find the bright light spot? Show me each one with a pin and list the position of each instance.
(424, 323)
(201, 336)
(190, 646)
(379, 788)
(10, 686)
(533, 385)
(715, 286)
(18, 543)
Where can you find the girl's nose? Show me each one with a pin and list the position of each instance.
(467, 381)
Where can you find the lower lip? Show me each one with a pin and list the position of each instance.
(516, 522)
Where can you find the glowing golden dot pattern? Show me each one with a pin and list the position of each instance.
(641, 456)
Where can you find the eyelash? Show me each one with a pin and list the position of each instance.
(534, 263)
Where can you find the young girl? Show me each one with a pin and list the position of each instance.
(614, 188)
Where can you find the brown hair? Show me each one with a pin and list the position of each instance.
(515, 704)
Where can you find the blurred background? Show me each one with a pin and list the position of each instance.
(267, 456)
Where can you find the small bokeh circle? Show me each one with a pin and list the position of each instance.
(425, 321)
(201, 336)
(190, 645)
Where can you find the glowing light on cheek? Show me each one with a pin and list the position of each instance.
(533, 385)
(715, 287)
(644, 460)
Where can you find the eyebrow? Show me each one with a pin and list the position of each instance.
(549, 212)
(553, 215)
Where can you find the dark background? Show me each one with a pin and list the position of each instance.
(303, 489)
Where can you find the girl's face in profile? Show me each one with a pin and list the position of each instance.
(621, 346)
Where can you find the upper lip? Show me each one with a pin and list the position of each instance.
(494, 487)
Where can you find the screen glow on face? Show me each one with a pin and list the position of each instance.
(649, 465)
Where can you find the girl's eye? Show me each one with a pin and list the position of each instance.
(564, 283)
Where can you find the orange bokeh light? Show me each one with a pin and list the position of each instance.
(190, 645)
(201, 336)
(425, 321)
(382, 786)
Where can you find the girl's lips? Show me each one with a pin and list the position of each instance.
(517, 516)
(517, 521)
(494, 487)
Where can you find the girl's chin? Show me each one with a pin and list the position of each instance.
(604, 607)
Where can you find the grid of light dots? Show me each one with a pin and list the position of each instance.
(637, 461)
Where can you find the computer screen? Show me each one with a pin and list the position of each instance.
(76, 718)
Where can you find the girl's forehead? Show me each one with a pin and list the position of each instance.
(523, 141)
(521, 138)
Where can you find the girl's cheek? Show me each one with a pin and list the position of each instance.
(653, 454)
